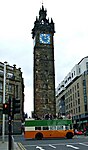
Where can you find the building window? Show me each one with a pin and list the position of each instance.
(84, 83)
(85, 99)
(10, 88)
(79, 70)
(67, 100)
(79, 108)
(84, 90)
(73, 103)
(71, 98)
(73, 89)
(77, 85)
(85, 107)
(76, 110)
(74, 72)
(65, 81)
(75, 95)
(78, 101)
(1, 86)
(71, 112)
(78, 93)
(1, 98)
(10, 75)
(16, 91)
(1, 72)
(86, 65)
(70, 91)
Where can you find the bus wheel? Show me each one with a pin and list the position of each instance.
(69, 135)
(39, 136)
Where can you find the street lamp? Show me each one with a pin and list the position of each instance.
(4, 86)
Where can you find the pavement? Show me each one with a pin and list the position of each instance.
(4, 146)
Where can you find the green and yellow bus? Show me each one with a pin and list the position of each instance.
(39, 129)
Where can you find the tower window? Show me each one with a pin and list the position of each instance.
(42, 22)
(45, 86)
(46, 101)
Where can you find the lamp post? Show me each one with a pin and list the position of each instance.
(4, 86)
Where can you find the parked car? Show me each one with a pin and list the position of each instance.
(76, 132)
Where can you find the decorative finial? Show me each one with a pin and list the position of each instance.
(42, 2)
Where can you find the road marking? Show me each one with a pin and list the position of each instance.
(52, 146)
(72, 146)
(83, 144)
(40, 148)
(21, 146)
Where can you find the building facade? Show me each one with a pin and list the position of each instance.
(44, 71)
(73, 90)
(14, 87)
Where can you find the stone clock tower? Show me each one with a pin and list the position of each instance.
(44, 73)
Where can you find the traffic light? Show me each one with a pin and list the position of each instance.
(16, 106)
(5, 108)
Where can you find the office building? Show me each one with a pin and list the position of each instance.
(72, 94)
(14, 87)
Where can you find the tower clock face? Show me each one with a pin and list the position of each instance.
(44, 38)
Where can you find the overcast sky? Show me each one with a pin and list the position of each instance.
(16, 44)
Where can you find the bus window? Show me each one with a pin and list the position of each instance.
(66, 127)
(52, 127)
(37, 128)
(45, 128)
(59, 127)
